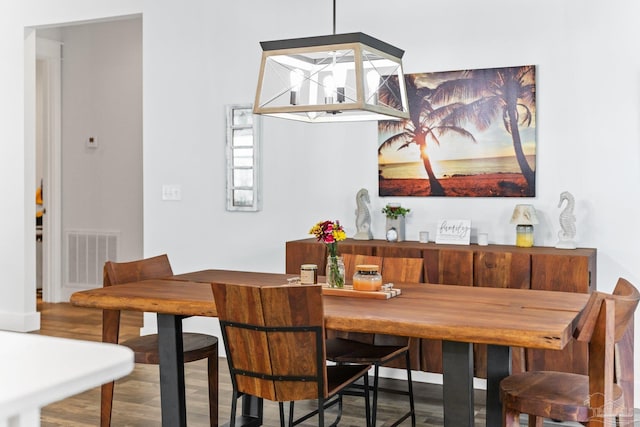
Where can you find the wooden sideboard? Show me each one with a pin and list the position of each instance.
(472, 265)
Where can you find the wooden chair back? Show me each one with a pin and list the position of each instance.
(402, 269)
(117, 273)
(603, 323)
(393, 269)
(274, 337)
(626, 298)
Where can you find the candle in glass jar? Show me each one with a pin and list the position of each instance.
(367, 278)
(524, 236)
(308, 274)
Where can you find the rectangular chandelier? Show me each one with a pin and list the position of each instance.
(334, 78)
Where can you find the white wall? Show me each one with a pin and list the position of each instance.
(300, 188)
(198, 58)
(102, 98)
(17, 150)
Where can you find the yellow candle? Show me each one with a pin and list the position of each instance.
(524, 236)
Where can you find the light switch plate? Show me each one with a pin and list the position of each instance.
(171, 192)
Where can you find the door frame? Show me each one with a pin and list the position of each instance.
(50, 51)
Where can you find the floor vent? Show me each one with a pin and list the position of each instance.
(87, 251)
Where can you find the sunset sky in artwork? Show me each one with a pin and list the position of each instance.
(492, 142)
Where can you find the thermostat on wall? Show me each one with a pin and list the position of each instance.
(92, 142)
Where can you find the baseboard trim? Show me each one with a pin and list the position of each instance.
(20, 322)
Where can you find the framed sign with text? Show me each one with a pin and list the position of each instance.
(454, 231)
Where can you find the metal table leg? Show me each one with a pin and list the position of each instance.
(251, 411)
(457, 364)
(174, 412)
(498, 367)
(172, 394)
(251, 415)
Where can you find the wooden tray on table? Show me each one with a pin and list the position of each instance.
(348, 291)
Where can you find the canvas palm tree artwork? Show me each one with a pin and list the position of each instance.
(471, 133)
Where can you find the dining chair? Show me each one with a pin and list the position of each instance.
(274, 338)
(594, 399)
(350, 262)
(402, 269)
(379, 349)
(196, 346)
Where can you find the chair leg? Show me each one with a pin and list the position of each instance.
(321, 411)
(110, 332)
(535, 421)
(374, 410)
(212, 366)
(106, 403)
(626, 419)
(291, 414)
(510, 418)
(412, 407)
(367, 408)
(281, 408)
(234, 408)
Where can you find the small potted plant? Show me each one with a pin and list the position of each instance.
(395, 221)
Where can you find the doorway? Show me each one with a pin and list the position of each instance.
(88, 149)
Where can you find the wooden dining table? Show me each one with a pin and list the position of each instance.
(458, 315)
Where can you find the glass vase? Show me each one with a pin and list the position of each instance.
(335, 271)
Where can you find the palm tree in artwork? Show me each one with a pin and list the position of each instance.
(481, 96)
(425, 124)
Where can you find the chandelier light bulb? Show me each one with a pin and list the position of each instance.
(329, 85)
(296, 77)
(340, 78)
(373, 81)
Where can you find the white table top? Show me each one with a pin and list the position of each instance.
(37, 370)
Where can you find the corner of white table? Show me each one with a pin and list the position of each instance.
(37, 370)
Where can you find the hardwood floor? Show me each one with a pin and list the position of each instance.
(137, 396)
